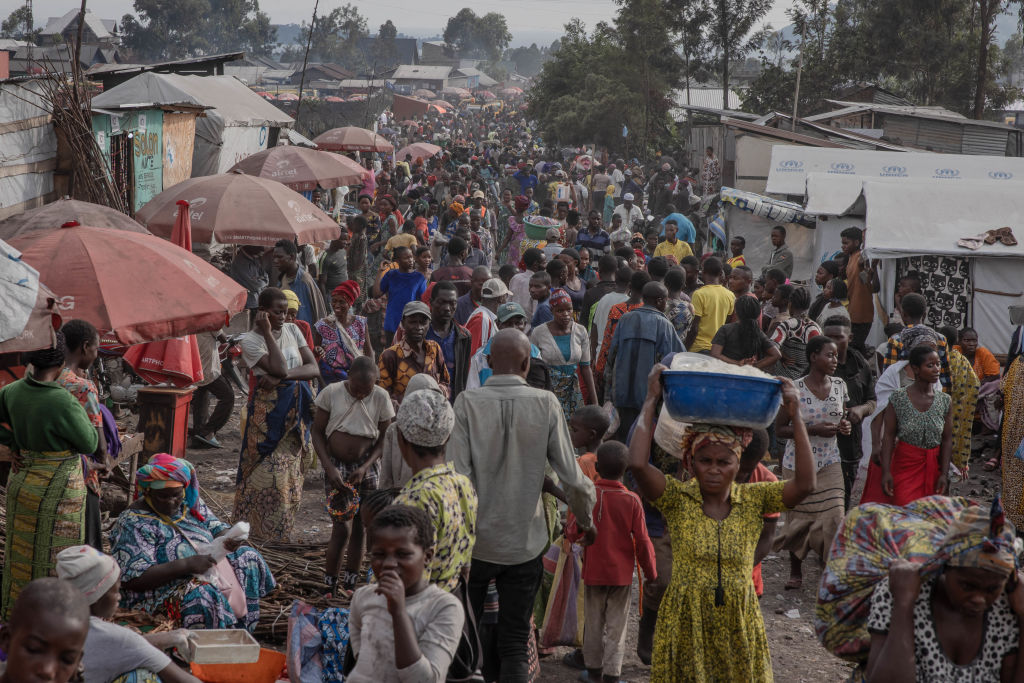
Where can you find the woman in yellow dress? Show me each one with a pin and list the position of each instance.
(709, 623)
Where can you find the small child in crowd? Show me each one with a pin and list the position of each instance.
(587, 428)
(403, 628)
(608, 564)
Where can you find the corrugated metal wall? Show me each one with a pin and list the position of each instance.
(982, 140)
(937, 136)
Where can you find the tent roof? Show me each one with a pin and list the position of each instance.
(912, 218)
(792, 164)
(230, 98)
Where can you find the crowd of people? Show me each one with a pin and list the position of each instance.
(475, 365)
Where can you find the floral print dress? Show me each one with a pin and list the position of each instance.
(709, 623)
(140, 540)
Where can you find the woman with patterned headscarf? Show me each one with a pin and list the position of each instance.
(963, 624)
(160, 544)
(565, 347)
(341, 336)
(709, 623)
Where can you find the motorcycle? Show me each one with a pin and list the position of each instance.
(228, 352)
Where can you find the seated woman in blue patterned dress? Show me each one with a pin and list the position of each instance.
(154, 541)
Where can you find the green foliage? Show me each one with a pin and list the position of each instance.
(18, 24)
(174, 29)
(932, 52)
(615, 76)
(335, 39)
(478, 37)
(528, 60)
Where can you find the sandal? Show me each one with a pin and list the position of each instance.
(990, 464)
(794, 583)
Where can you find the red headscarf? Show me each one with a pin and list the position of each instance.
(522, 203)
(348, 289)
(559, 296)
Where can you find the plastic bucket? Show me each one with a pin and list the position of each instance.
(716, 398)
(269, 668)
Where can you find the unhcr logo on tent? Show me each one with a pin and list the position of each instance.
(790, 166)
(842, 168)
(947, 174)
(1000, 175)
(893, 172)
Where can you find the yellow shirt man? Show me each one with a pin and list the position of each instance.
(714, 304)
(678, 251)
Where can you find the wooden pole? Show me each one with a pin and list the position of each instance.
(305, 60)
(799, 69)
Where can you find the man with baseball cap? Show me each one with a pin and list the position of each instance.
(631, 213)
(508, 315)
(412, 355)
(483, 322)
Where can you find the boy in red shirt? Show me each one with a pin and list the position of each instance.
(608, 564)
(751, 472)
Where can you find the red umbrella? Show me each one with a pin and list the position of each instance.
(334, 98)
(176, 360)
(418, 150)
(139, 286)
(234, 208)
(352, 139)
(487, 95)
(55, 214)
(301, 168)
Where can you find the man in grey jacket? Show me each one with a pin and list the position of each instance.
(505, 434)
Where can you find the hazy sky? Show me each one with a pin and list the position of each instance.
(527, 17)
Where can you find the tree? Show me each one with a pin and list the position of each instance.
(384, 54)
(336, 37)
(618, 75)
(172, 29)
(987, 12)
(731, 23)
(689, 19)
(477, 37)
(18, 24)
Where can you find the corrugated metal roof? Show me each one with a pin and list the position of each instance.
(56, 25)
(416, 71)
(705, 97)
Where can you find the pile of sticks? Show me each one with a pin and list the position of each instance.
(298, 569)
(67, 98)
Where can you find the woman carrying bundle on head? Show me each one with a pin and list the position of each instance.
(709, 623)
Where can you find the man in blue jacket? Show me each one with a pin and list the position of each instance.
(642, 338)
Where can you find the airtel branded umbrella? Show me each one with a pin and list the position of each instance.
(52, 216)
(141, 287)
(234, 208)
(29, 309)
(176, 360)
(418, 150)
(352, 139)
(301, 168)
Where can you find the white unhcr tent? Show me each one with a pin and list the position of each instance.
(909, 214)
(237, 124)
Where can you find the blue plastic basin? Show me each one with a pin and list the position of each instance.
(721, 399)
